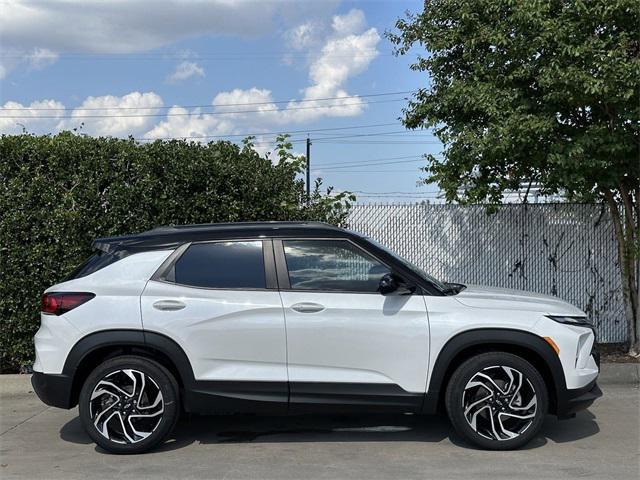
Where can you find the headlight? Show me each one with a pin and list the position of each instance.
(577, 321)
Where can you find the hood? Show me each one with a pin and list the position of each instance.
(479, 296)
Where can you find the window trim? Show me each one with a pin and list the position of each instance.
(283, 270)
(270, 277)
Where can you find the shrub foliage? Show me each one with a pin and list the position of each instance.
(58, 193)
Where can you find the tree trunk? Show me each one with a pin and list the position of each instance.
(626, 228)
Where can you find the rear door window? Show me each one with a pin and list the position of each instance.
(230, 265)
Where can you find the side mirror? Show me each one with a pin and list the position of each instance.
(391, 284)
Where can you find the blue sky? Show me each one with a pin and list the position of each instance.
(155, 69)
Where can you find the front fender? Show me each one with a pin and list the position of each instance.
(466, 343)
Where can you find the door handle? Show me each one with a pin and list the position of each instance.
(168, 305)
(307, 307)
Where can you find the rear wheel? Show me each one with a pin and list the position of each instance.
(129, 404)
(497, 400)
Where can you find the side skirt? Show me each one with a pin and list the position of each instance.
(299, 397)
(214, 397)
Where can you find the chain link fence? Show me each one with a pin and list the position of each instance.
(566, 250)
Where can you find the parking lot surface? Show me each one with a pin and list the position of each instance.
(41, 442)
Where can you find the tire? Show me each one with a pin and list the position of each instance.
(497, 401)
(129, 404)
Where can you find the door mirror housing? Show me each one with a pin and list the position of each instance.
(392, 284)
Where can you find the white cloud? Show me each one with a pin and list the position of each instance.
(125, 26)
(351, 23)
(185, 70)
(40, 58)
(27, 117)
(126, 108)
(260, 103)
(36, 58)
(347, 52)
(132, 26)
(346, 49)
(303, 36)
(182, 123)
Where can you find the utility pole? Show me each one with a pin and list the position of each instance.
(308, 168)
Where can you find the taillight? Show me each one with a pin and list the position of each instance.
(57, 303)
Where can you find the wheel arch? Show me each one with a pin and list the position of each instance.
(97, 347)
(469, 343)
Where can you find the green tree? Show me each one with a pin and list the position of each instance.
(58, 193)
(537, 92)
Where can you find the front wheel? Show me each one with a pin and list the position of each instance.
(497, 400)
(129, 404)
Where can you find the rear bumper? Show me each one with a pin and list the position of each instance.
(54, 390)
(578, 399)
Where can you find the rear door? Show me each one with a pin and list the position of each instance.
(348, 345)
(219, 301)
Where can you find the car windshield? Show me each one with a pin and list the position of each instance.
(440, 285)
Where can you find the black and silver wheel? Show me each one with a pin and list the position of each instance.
(129, 404)
(497, 401)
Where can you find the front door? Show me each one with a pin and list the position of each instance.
(348, 345)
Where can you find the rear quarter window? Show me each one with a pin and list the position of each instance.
(92, 264)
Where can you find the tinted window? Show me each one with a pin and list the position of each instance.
(222, 265)
(92, 264)
(331, 265)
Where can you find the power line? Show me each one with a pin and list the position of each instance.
(209, 105)
(399, 134)
(379, 161)
(380, 142)
(203, 113)
(419, 195)
(365, 164)
(264, 143)
(409, 200)
(362, 161)
(371, 171)
(281, 132)
(254, 134)
(360, 193)
(273, 143)
(375, 134)
(297, 140)
(394, 193)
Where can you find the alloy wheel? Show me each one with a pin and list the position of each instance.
(499, 403)
(126, 406)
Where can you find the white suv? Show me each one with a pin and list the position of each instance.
(294, 317)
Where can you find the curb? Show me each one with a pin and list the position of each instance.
(619, 374)
(15, 384)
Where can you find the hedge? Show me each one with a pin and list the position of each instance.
(58, 193)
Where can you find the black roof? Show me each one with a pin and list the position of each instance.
(173, 236)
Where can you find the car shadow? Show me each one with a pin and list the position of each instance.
(217, 429)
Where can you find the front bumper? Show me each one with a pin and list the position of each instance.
(52, 389)
(578, 399)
